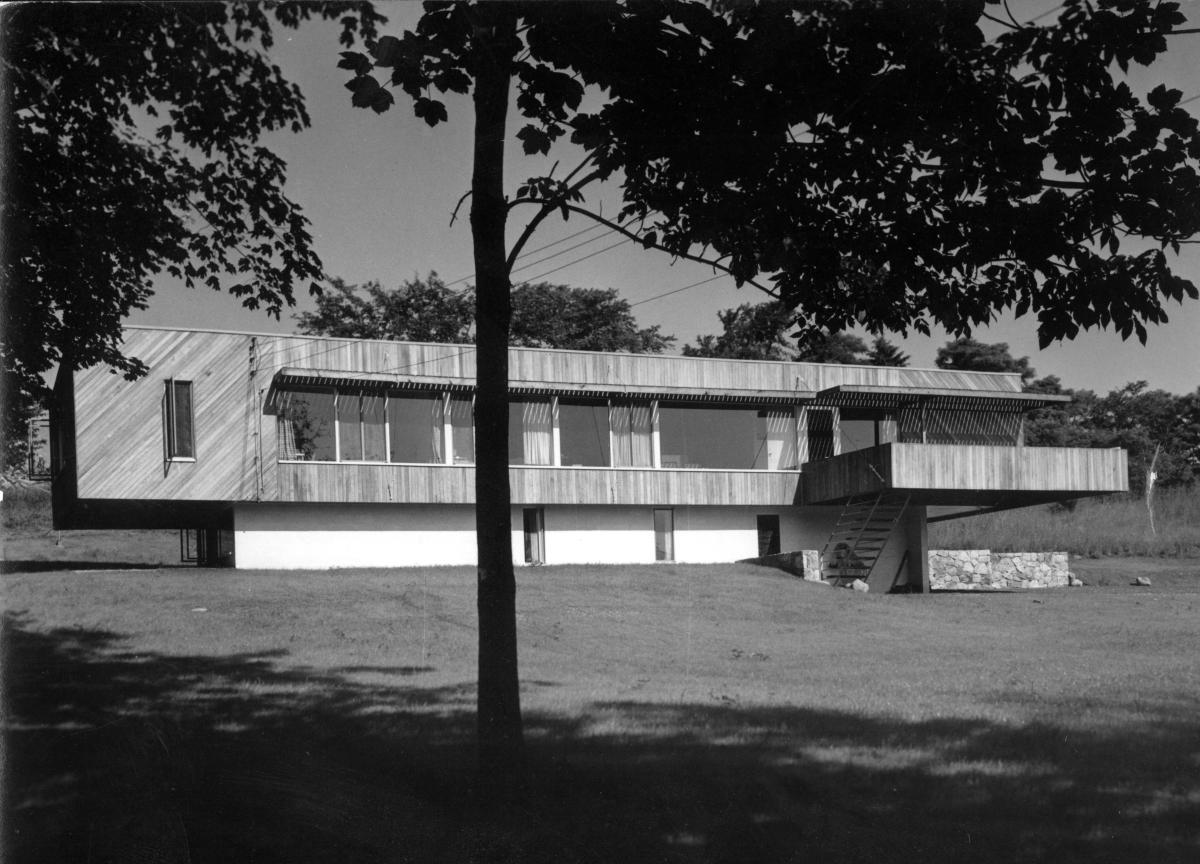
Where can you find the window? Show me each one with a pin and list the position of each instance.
(535, 535)
(583, 433)
(415, 427)
(306, 426)
(360, 427)
(462, 432)
(768, 535)
(632, 444)
(820, 425)
(775, 440)
(179, 441)
(664, 534)
(530, 432)
(710, 437)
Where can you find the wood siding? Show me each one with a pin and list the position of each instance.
(453, 484)
(966, 468)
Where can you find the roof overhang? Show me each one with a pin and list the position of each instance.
(942, 399)
(290, 378)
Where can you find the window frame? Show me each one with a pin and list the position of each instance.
(170, 414)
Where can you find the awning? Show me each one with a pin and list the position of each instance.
(290, 378)
(942, 399)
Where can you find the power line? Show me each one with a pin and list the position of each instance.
(556, 254)
(1050, 11)
(540, 248)
(677, 290)
(576, 261)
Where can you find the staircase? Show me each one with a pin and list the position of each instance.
(858, 539)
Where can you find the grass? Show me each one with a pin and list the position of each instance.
(690, 714)
(1119, 525)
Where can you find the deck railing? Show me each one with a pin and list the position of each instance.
(966, 468)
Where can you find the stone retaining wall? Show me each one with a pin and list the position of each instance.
(981, 569)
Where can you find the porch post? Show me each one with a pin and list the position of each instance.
(916, 533)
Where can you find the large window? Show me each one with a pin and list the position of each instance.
(462, 430)
(530, 432)
(179, 440)
(415, 427)
(632, 443)
(306, 425)
(775, 440)
(361, 427)
(583, 433)
(709, 437)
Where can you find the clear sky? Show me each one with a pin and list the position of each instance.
(379, 190)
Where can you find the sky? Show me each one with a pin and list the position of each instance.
(380, 189)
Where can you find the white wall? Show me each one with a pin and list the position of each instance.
(321, 536)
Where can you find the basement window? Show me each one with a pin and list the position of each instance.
(179, 438)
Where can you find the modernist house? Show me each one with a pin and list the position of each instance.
(315, 452)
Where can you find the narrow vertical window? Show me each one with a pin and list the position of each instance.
(664, 534)
(178, 426)
(535, 535)
(462, 431)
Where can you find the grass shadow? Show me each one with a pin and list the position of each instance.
(116, 755)
(52, 566)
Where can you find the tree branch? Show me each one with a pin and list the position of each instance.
(454, 213)
(548, 207)
(551, 206)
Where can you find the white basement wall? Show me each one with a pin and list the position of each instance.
(323, 536)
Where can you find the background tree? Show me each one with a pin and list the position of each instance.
(130, 150)
(966, 354)
(425, 310)
(815, 347)
(752, 331)
(884, 353)
(874, 162)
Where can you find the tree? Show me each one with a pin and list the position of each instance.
(878, 162)
(968, 355)
(130, 150)
(884, 353)
(425, 310)
(419, 310)
(844, 348)
(752, 331)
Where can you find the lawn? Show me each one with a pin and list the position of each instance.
(689, 714)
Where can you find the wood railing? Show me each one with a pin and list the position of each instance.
(455, 484)
(965, 468)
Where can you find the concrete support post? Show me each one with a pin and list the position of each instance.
(917, 540)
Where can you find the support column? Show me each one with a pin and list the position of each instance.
(916, 535)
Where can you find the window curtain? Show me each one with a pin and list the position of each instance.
(536, 432)
(463, 433)
(631, 432)
(777, 448)
(437, 432)
(374, 440)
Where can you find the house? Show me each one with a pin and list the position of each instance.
(316, 452)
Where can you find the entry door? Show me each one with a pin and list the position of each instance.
(535, 535)
(768, 535)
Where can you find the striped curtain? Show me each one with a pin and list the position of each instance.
(777, 448)
(536, 432)
(631, 434)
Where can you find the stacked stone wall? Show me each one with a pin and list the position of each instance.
(984, 570)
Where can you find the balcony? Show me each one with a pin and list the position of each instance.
(969, 475)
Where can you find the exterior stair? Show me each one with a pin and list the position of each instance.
(862, 531)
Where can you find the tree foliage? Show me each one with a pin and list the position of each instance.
(884, 353)
(968, 355)
(425, 310)
(846, 348)
(130, 150)
(752, 331)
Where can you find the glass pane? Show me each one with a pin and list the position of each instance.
(856, 434)
(349, 414)
(463, 431)
(768, 535)
(373, 428)
(820, 434)
(305, 426)
(775, 440)
(530, 436)
(184, 440)
(631, 434)
(415, 427)
(583, 433)
(664, 535)
(708, 437)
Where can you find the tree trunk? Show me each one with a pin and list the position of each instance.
(501, 746)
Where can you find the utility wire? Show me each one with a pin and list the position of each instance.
(677, 290)
(576, 261)
(546, 246)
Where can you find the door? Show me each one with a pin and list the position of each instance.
(664, 535)
(768, 535)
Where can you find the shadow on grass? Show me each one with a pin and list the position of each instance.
(51, 566)
(121, 756)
